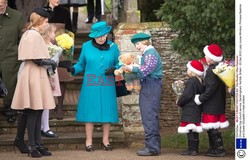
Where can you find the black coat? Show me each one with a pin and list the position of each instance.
(214, 97)
(60, 15)
(191, 112)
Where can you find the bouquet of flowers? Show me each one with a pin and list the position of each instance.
(226, 72)
(55, 50)
(178, 87)
(55, 53)
(66, 42)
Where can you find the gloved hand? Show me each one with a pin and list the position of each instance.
(42, 62)
(71, 69)
(53, 64)
(64, 64)
(110, 70)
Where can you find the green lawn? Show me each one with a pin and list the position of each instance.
(179, 141)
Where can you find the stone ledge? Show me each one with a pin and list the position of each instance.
(140, 26)
(130, 100)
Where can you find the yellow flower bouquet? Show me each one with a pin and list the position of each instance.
(66, 42)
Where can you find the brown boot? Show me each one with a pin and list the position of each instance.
(59, 115)
(59, 110)
(52, 114)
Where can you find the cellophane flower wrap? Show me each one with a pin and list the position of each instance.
(66, 42)
(178, 87)
(54, 50)
(226, 72)
(55, 53)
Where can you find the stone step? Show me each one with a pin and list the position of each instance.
(67, 141)
(81, 36)
(77, 51)
(68, 124)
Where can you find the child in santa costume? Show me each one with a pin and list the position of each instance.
(213, 102)
(191, 112)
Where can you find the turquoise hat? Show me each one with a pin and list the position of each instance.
(140, 37)
(99, 29)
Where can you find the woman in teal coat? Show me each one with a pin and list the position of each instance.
(97, 102)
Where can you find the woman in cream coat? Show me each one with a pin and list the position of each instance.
(33, 91)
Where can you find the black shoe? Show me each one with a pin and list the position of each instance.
(146, 152)
(33, 152)
(44, 151)
(49, 133)
(22, 147)
(89, 148)
(108, 147)
(189, 152)
(11, 119)
(88, 20)
(217, 153)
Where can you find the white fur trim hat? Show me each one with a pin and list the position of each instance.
(196, 67)
(214, 52)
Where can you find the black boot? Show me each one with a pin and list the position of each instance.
(218, 149)
(10, 114)
(21, 126)
(196, 142)
(74, 22)
(22, 147)
(192, 143)
(211, 142)
(33, 152)
(43, 151)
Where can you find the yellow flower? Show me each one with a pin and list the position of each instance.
(65, 41)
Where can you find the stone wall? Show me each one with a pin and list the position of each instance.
(174, 66)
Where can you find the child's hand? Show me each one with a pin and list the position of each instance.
(229, 90)
(127, 68)
(176, 102)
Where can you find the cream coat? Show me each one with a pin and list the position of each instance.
(33, 89)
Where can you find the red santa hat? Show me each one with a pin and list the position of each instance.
(196, 67)
(214, 52)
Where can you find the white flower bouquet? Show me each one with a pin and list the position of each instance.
(178, 87)
(55, 53)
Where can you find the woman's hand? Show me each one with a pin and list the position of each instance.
(110, 70)
(71, 69)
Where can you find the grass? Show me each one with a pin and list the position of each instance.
(179, 141)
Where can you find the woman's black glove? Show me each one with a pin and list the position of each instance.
(110, 70)
(71, 69)
(42, 62)
(64, 64)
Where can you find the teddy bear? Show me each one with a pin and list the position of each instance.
(132, 79)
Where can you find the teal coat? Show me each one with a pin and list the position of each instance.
(97, 101)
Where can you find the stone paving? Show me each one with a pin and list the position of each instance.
(117, 154)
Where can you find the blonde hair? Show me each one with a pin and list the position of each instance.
(146, 42)
(193, 74)
(35, 20)
(47, 31)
